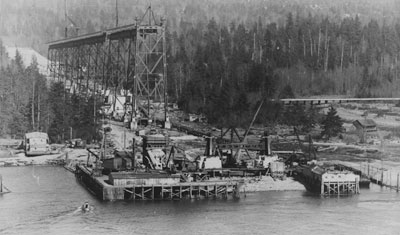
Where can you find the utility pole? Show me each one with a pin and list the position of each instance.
(38, 113)
(116, 13)
(124, 138)
(66, 19)
(33, 105)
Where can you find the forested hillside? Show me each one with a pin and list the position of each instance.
(225, 56)
(28, 103)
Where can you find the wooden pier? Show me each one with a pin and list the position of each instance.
(339, 187)
(382, 176)
(216, 189)
(364, 179)
(328, 182)
(153, 188)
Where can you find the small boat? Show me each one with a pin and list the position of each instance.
(85, 207)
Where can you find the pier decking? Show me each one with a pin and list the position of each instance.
(154, 188)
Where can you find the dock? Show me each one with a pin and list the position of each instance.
(383, 176)
(327, 182)
(140, 186)
(364, 179)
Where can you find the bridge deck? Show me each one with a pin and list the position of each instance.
(127, 31)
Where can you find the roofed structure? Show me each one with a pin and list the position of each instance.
(367, 125)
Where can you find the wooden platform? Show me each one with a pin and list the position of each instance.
(328, 182)
(100, 187)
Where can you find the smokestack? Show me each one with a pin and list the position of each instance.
(267, 144)
(133, 151)
(209, 145)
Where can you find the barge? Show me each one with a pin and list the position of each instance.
(328, 181)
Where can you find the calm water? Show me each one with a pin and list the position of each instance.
(45, 200)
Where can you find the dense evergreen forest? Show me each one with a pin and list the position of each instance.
(28, 102)
(226, 56)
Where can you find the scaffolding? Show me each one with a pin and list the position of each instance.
(126, 59)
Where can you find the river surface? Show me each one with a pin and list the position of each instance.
(46, 200)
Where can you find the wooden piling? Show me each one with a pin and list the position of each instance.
(322, 188)
(1, 184)
(397, 188)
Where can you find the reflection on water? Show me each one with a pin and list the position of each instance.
(52, 207)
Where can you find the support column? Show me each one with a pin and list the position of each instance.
(397, 188)
(322, 187)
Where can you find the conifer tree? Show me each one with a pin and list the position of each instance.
(332, 124)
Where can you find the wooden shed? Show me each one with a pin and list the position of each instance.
(366, 125)
(363, 127)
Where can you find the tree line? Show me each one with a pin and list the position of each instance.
(29, 102)
(224, 59)
(225, 71)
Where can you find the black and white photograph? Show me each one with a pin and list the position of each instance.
(199, 117)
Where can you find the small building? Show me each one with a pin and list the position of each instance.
(155, 141)
(366, 125)
(363, 127)
(277, 169)
(121, 161)
(112, 164)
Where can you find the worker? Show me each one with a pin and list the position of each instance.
(85, 207)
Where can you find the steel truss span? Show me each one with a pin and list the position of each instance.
(130, 59)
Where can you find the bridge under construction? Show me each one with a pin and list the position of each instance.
(128, 61)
